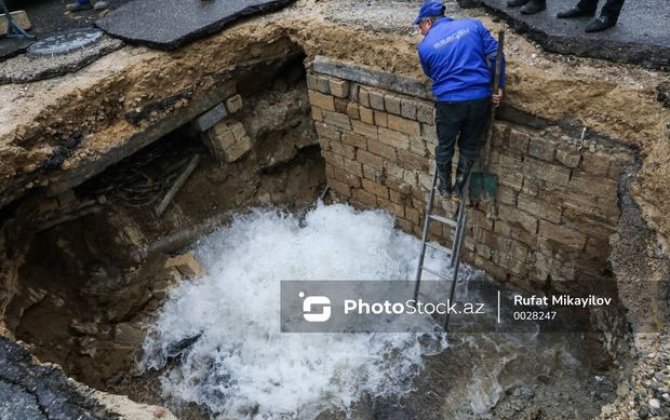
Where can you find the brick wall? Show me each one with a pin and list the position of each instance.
(557, 196)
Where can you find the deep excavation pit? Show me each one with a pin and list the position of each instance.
(88, 266)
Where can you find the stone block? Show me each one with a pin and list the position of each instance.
(381, 149)
(341, 105)
(227, 141)
(404, 225)
(364, 197)
(371, 173)
(352, 111)
(542, 149)
(561, 235)
(364, 129)
(340, 187)
(594, 185)
(337, 119)
(234, 104)
(404, 125)
(513, 216)
(339, 88)
(506, 195)
(317, 114)
(333, 158)
(367, 115)
(409, 108)
(353, 167)
(342, 149)
(325, 102)
(369, 159)
(392, 104)
(568, 155)
(425, 112)
(596, 163)
(412, 215)
(491, 268)
(395, 209)
(364, 96)
(381, 119)
(354, 139)
(323, 84)
(312, 81)
(417, 146)
(553, 174)
(392, 169)
(518, 140)
(393, 138)
(375, 188)
(327, 131)
(376, 100)
(346, 177)
(512, 179)
(210, 118)
(187, 265)
(413, 161)
(539, 208)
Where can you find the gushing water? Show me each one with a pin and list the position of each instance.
(223, 329)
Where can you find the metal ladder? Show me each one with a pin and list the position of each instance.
(459, 224)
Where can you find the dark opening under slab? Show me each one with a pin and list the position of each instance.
(641, 36)
(168, 24)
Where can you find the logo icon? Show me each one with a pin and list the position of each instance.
(315, 301)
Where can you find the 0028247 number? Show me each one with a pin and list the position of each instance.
(534, 315)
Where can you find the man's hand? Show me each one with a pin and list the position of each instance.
(496, 100)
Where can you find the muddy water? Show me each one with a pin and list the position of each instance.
(217, 343)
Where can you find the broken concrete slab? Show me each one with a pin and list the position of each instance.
(168, 24)
(27, 68)
(640, 37)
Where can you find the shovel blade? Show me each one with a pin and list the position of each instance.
(483, 185)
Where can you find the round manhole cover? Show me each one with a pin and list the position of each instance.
(66, 42)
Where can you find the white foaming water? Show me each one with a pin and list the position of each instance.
(241, 365)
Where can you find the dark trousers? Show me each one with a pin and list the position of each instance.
(611, 9)
(464, 122)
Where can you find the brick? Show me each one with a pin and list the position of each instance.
(341, 105)
(187, 265)
(364, 197)
(404, 125)
(429, 133)
(354, 139)
(516, 232)
(425, 112)
(353, 167)
(554, 174)
(322, 101)
(597, 163)
(317, 114)
(513, 217)
(327, 131)
(323, 84)
(507, 159)
(409, 108)
(568, 156)
(375, 188)
(404, 225)
(367, 115)
(381, 119)
(542, 149)
(340, 187)
(594, 229)
(371, 173)
(396, 209)
(364, 129)
(398, 184)
(337, 119)
(509, 263)
(506, 195)
(594, 185)
(518, 141)
(376, 100)
(339, 88)
(530, 187)
(562, 235)
(392, 169)
(312, 81)
(234, 104)
(227, 141)
(369, 159)
(512, 179)
(352, 111)
(344, 176)
(392, 104)
(393, 138)
(396, 197)
(342, 149)
(539, 208)
(478, 218)
(207, 120)
(418, 146)
(364, 97)
(333, 158)
(381, 149)
(411, 160)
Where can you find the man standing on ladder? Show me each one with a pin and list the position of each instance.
(459, 56)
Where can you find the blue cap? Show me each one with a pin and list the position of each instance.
(429, 9)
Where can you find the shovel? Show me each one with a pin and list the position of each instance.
(483, 185)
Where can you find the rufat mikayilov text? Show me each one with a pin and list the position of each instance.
(562, 300)
(411, 307)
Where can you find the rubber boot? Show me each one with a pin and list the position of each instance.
(534, 6)
(462, 178)
(444, 187)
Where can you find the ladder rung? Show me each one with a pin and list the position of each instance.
(439, 247)
(435, 273)
(448, 222)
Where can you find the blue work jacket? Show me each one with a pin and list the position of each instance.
(459, 56)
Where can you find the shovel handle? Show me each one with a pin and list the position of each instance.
(496, 85)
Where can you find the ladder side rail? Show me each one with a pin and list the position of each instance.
(426, 221)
